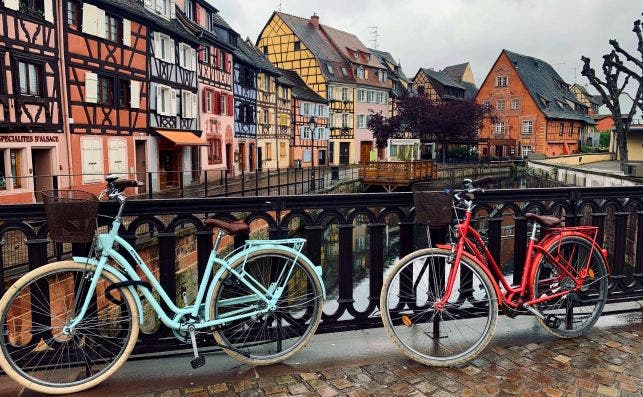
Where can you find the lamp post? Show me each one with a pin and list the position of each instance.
(312, 125)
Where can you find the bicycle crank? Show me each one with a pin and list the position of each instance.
(198, 361)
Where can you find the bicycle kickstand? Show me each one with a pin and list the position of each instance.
(198, 361)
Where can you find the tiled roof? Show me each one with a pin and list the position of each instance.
(587, 95)
(386, 56)
(443, 79)
(547, 88)
(202, 34)
(320, 45)
(345, 41)
(300, 89)
(243, 54)
(456, 71)
(259, 59)
(137, 8)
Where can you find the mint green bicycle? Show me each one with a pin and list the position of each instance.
(67, 326)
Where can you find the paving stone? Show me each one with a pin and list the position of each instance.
(341, 383)
(297, 388)
(251, 393)
(309, 375)
(170, 393)
(218, 388)
(327, 392)
(608, 391)
(284, 379)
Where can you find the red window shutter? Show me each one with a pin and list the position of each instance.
(217, 102)
(200, 51)
(228, 62)
(230, 105)
(204, 94)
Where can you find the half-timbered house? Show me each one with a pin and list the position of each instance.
(33, 147)
(245, 107)
(107, 92)
(173, 109)
(215, 81)
(309, 131)
(302, 45)
(399, 81)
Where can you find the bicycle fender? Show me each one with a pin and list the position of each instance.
(120, 276)
(279, 247)
(549, 240)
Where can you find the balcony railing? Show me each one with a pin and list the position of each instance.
(355, 238)
(401, 173)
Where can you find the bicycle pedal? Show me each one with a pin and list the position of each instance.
(552, 321)
(198, 362)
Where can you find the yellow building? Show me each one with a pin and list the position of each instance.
(300, 44)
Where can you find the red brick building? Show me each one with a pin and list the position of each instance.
(536, 111)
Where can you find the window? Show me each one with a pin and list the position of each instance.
(570, 130)
(331, 152)
(500, 105)
(306, 109)
(32, 7)
(188, 104)
(266, 116)
(189, 9)
(486, 105)
(561, 126)
(124, 93)
(223, 104)
(501, 81)
(345, 121)
(305, 132)
(117, 156)
(421, 90)
(381, 76)
(361, 95)
(165, 7)
(91, 150)
(266, 83)
(344, 71)
(186, 56)
(208, 101)
(163, 47)
(214, 151)
(380, 97)
(500, 128)
(526, 149)
(105, 91)
(370, 96)
(164, 101)
(268, 153)
(282, 149)
(112, 28)
(265, 50)
(206, 55)
(345, 94)
(361, 121)
(297, 45)
(515, 104)
(72, 13)
(30, 78)
(527, 127)
(15, 159)
(329, 67)
(360, 72)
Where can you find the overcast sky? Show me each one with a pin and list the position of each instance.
(438, 33)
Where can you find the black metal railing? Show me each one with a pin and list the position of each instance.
(354, 237)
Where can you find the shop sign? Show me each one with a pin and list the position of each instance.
(29, 138)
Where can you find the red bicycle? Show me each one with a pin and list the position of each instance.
(440, 304)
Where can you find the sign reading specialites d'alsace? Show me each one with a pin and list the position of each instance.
(28, 138)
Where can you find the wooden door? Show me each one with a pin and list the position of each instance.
(365, 151)
(344, 153)
(141, 165)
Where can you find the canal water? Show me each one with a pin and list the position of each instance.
(361, 245)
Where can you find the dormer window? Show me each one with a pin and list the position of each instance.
(329, 67)
(360, 72)
(344, 71)
(189, 9)
(356, 55)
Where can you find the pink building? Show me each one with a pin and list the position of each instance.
(33, 147)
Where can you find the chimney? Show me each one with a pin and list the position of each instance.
(314, 20)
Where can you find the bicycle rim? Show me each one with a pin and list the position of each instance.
(276, 335)
(36, 351)
(438, 337)
(577, 311)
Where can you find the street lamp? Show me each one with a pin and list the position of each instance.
(312, 125)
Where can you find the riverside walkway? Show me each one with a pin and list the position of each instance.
(521, 360)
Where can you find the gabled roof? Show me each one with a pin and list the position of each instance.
(203, 35)
(456, 71)
(259, 59)
(320, 45)
(443, 79)
(300, 89)
(387, 57)
(550, 92)
(348, 45)
(243, 54)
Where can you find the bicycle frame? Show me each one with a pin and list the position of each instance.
(523, 294)
(267, 297)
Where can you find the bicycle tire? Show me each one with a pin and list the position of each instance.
(300, 323)
(421, 332)
(594, 287)
(52, 287)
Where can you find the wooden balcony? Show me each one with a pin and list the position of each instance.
(392, 174)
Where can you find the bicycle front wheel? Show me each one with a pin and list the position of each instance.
(274, 336)
(438, 337)
(38, 353)
(571, 314)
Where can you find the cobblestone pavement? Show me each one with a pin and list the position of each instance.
(608, 363)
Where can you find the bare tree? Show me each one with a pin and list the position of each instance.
(616, 76)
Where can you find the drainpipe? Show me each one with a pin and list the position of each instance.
(63, 86)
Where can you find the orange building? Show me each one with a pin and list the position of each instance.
(536, 111)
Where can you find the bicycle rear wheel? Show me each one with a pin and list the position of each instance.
(446, 337)
(575, 313)
(275, 336)
(34, 349)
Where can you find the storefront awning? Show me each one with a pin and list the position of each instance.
(182, 138)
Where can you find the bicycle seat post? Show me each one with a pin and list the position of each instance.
(218, 240)
(534, 229)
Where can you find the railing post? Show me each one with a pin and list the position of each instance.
(205, 190)
(36, 252)
(204, 246)
(495, 238)
(257, 182)
(268, 172)
(54, 182)
(278, 182)
(313, 243)
(243, 183)
(520, 247)
(225, 185)
(598, 220)
(407, 229)
(150, 188)
(167, 265)
(376, 239)
(181, 182)
(639, 245)
(620, 236)
(345, 265)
